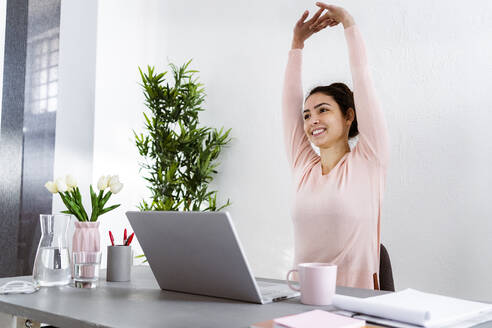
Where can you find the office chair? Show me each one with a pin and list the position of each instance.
(385, 272)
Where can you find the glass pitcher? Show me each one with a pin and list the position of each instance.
(52, 263)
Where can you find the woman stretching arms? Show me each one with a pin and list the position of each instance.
(338, 197)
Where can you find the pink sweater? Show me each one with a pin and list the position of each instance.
(337, 216)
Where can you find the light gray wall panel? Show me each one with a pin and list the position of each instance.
(30, 94)
(11, 137)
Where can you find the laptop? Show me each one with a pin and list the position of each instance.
(200, 253)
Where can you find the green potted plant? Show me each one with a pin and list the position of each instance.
(179, 155)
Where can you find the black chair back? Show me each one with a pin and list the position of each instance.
(385, 272)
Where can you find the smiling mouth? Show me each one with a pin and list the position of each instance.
(318, 132)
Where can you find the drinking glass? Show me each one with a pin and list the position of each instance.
(86, 269)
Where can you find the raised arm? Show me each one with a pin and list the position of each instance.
(370, 117)
(298, 148)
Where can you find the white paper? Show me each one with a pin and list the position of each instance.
(377, 320)
(475, 320)
(414, 307)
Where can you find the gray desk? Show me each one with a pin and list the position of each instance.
(141, 303)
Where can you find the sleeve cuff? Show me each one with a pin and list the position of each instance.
(293, 52)
(351, 29)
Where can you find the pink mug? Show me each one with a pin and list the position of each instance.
(317, 282)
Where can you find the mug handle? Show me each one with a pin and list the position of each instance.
(289, 281)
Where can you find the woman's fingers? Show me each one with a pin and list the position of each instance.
(326, 18)
(332, 22)
(303, 18)
(321, 26)
(324, 6)
(315, 17)
(318, 26)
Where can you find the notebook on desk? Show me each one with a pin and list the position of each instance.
(312, 319)
(318, 319)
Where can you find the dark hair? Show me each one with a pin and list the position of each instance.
(344, 97)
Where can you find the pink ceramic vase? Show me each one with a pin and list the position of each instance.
(86, 237)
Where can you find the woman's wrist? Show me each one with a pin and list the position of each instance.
(297, 44)
(348, 21)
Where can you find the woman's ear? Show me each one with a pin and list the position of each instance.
(350, 115)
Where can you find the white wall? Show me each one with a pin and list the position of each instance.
(431, 65)
(75, 114)
(125, 41)
(3, 21)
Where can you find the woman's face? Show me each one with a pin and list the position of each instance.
(324, 123)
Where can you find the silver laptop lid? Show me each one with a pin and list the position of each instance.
(195, 252)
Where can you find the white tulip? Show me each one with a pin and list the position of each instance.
(70, 181)
(116, 187)
(114, 184)
(60, 185)
(102, 183)
(51, 186)
(112, 179)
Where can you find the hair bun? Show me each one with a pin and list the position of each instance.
(341, 86)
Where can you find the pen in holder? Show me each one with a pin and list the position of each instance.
(119, 263)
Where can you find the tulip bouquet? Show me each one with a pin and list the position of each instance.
(71, 197)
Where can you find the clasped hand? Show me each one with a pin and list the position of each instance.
(333, 16)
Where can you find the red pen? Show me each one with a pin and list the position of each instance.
(111, 237)
(124, 237)
(129, 239)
